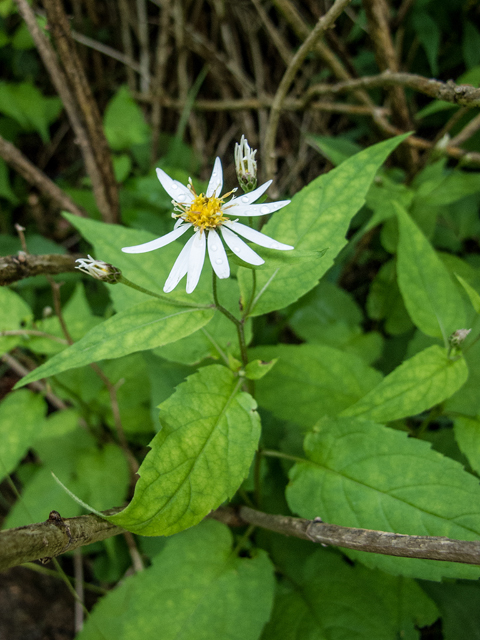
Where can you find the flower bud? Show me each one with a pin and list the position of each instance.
(99, 270)
(245, 165)
(457, 337)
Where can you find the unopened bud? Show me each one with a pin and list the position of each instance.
(458, 336)
(99, 270)
(245, 165)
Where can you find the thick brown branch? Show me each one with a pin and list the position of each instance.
(13, 268)
(462, 94)
(47, 539)
(77, 80)
(15, 158)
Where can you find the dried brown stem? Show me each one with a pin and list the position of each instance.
(377, 12)
(15, 158)
(13, 268)
(61, 84)
(322, 25)
(85, 102)
(22, 371)
(36, 541)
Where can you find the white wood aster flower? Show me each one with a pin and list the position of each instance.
(207, 214)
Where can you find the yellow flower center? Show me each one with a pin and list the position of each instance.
(205, 213)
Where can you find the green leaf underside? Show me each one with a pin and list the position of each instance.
(317, 218)
(415, 386)
(311, 380)
(336, 600)
(432, 299)
(209, 434)
(196, 589)
(147, 325)
(361, 474)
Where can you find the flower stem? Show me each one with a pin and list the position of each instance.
(238, 323)
(166, 299)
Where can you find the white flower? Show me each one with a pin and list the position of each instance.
(206, 214)
(99, 269)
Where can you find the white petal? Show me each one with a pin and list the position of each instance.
(257, 237)
(196, 260)
(240, 248)
(215, 184)
(217, 255)
(159, 242)
(176, 190)
(180, 267)
(253, 209)
(248, 198)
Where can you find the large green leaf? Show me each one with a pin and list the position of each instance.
(21, 419)
(336, 600)
(145, 326)
(317, 218)
(416, 385)
(209, 434)
(361, 474)
(312, 380)
(431, 297)
(196, 588)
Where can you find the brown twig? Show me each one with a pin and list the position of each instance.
(60, 82)
(35, 541)
(22, 371)
(322, 25)
(15, 158)
(23, 265)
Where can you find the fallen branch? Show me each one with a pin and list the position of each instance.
(57, 535)
(24, 265)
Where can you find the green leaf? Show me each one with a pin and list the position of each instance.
(124, 123)
(209, 434)
(472, 294)
(144, 326)
(466, 401)
(336, 600)
(15, 312)
(256, 369)
(429, 35)
(196, 588)
(362, 474)
(5, 188)
(459, 605)
(317, 218)
(21, 418)
(24, 103)
(104, 476)
(337, 149)
(432, 299)
(312, 380)
(467, 435)
(470, 44)
(385, 301)
(415, 386)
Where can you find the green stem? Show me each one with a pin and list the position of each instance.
(279, 454)
(238, 323)
(166, 299)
